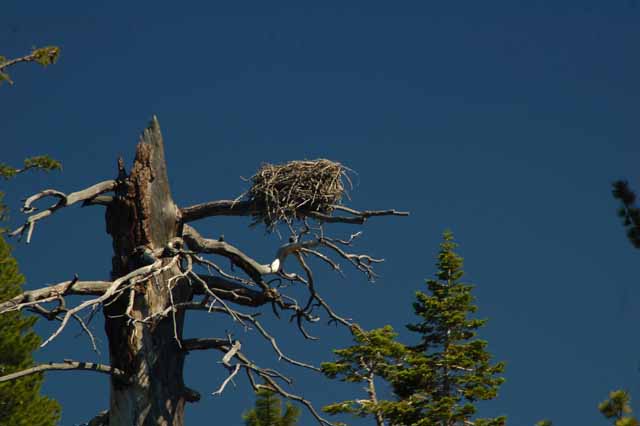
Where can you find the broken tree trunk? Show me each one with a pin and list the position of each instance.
(144, 216)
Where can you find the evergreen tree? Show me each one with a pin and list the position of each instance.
(375, 353)
(268, 411)
(20, 401)
(450, 369)
(436, 382)
(618, 409)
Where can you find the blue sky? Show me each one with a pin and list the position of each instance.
(503, 121)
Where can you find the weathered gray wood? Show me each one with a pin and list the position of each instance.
(143, 214)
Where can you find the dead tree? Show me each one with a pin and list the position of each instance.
(157, 277)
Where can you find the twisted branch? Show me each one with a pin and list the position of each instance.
(64, 200)
(268, 375)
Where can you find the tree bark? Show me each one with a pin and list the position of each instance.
(143, 214)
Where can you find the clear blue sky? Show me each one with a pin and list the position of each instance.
(505, 121)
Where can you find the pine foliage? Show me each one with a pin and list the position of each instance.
(374, 354)
(628, 211)
(40, 162)
(268, 411)
(20, 401)
(436, 382)
(618, 409)
(44, 56)
(450, 368)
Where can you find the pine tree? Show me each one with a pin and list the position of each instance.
(20, 401)
(450, 369)
(375, 353)
(618, 409)
(436, 382)
(268, 411)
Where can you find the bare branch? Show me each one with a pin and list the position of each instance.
(230, 311)
(253, 268)
(100, 200)
(210, 265)
(247, 208)
(231, 353)
(315, 296)
(63, 201)
(53, 292)
(87, 331)
(203, 344)
(233, 373)
(218, 208)
(144, 272)
(211, 344)
(53, 314)
(66, 365)
(232, 291)
(357, 217)
(362, 262)
(268, 375)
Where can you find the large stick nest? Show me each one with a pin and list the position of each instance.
(283, 193)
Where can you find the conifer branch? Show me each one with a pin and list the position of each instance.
(44, 56)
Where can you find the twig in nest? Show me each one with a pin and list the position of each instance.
(283, 193)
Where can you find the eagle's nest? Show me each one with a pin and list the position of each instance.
(282, 193)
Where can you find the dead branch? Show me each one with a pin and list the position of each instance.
(218, 208)
(210, 265)
(53, 292)
(254, 269)
(248, 318)
(66, 365)
(246, 208)
(357, 217)
(209, 292)
(199, 244)
(231, 353)
(268, 375)
(362, 262)
(232, 374)
(313, 295)
(144, 272)
(100, 200)
(232, 291)
(53, 314)
(202, 344)
(63, 201)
